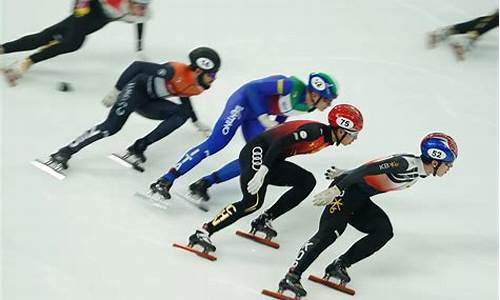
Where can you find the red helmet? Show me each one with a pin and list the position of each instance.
(347, 117)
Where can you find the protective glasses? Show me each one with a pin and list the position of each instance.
(354, 134)
(212, 75)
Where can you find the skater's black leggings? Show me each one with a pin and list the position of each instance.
(281, 173)
(356, 209)
(479, 25)
(63, 37)
(134, 97)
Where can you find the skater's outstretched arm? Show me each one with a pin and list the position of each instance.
(396, 164)
(188, 108)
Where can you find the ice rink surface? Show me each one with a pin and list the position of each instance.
(88, 237)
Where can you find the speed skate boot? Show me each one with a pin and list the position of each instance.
(199, 189)
(61, 157)
(137, 151)
(162, 187)
(291, 282)
(201, 238)
(16, 71)
(263, 224)
(463, 43)
(338, 270)
(438, 36)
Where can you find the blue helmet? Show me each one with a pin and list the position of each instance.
(439, 146)
(323, 84)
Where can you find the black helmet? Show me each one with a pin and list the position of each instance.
(205, 58)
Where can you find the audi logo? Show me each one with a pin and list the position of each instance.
(256, 157)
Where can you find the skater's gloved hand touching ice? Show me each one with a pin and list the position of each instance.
(203, 128)
(326, 196)
(333, 173)
(255, 184)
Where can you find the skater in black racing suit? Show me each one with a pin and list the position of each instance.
(348, 201)
(263, 162)
(465, 33)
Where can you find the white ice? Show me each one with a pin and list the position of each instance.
(87, 237)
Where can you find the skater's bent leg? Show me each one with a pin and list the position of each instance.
(220, 137)
(173, 117)
(252, 128)
(372, 220)
(487, 24)
(229, 171)
(249, 203)
(107, 128)
(131, 96)
(289, 174)
(480, 25)
(71, 35)
(331, 226)
(465, 26)
(235, 211)
(34, 41)
(69, 43)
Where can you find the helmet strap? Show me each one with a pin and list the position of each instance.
(436, 168)
(314, 102)
(337, 139)
(317, 101)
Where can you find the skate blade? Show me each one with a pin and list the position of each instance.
(199, 253)
(152, 200)
(197, 203)
(121, 160)
(257, 239)
(328, 283)
(48, 169)
(278, 295)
